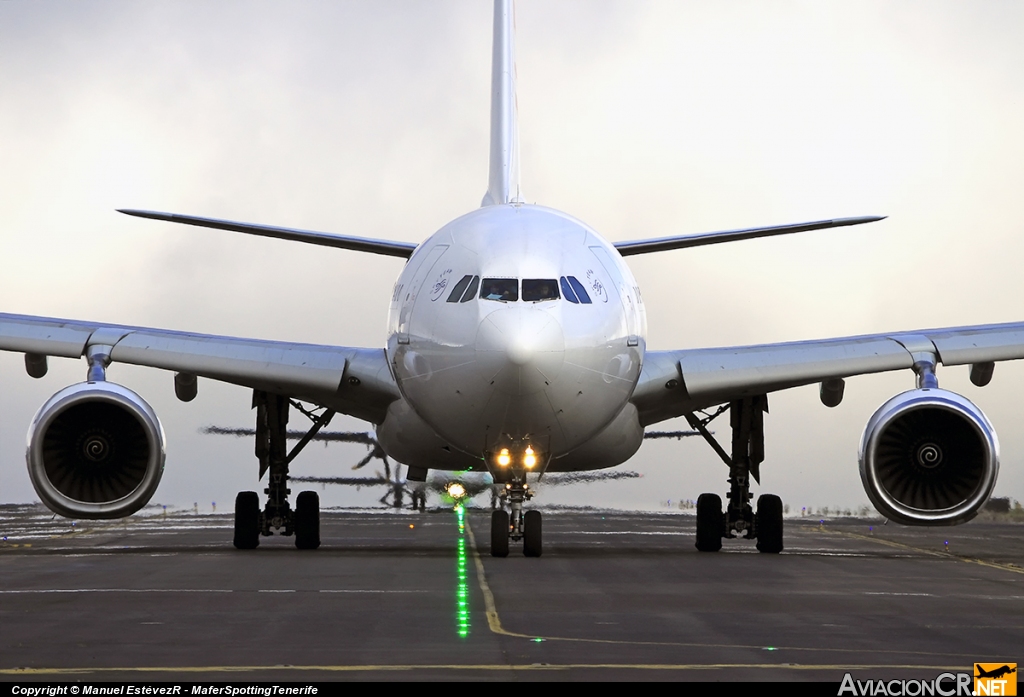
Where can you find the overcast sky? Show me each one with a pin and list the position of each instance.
(640, 118)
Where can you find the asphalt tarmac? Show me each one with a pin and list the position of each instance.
(615, 596)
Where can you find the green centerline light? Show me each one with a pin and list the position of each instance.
(462, 592)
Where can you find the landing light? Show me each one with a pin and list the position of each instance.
(504, 459)
(530, 459)
(456, 490)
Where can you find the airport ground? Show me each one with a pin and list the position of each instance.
(397, 596)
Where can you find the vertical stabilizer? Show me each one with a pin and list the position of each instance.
(503, 184)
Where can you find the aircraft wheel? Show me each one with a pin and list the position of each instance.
(307, 520)
(709, 522)
(499, 534)
(768, 522)
(247, 520)
(532, 534)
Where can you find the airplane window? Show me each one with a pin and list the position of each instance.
(459, 289)
(538, 289)
(567, 291)
(581, 292)
(471, 291)
(504, 289)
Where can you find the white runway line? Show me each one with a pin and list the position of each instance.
(35, 591)
(114, 590)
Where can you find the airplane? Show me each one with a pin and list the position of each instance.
(516, 345)
(994, 673)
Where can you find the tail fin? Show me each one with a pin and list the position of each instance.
(503, 184)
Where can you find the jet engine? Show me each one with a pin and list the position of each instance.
(95, 450)
(929, 457)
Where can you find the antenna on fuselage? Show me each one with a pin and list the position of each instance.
(503, 183)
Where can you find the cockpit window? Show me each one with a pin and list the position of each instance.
(577, 288)
(471, 291)
(536, 290)
(567, 290)
(459, 289)
(503, 289)
(465, 289)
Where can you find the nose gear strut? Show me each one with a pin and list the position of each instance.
(516, 493)
(512, 464)
(519, 525)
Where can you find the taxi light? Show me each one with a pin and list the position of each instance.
(504, 459)
(456, 490)
(530, 460)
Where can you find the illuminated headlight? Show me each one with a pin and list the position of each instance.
(456, 490)
(529, 459)
(504, 459)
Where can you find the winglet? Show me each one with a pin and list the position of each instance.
(503, 183)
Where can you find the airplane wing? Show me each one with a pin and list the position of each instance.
(673, 383)
(663, 244)
(326, 239)
(354, 381)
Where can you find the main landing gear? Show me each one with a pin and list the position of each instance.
(271, 451)
(517, 526)
(747, 421)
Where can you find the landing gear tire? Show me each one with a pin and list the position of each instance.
(709, 523)
(768, 524)
(499, 534)
(307, 520)
(247, 520)
(532, 534)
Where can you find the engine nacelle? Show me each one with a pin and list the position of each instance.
(95, 450)
(929, 457)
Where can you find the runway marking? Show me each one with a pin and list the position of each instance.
(372, 591)
(493, 621)
(115, 590)
(929, 552)
(33, 591)
(480, 667)
(621, 532)
(494, 624)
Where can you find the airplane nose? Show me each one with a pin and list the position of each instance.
(519, 350)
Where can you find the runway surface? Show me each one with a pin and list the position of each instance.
(615, 596)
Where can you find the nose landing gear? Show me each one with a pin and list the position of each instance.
(517, 526)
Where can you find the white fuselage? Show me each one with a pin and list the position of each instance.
(479, 369)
